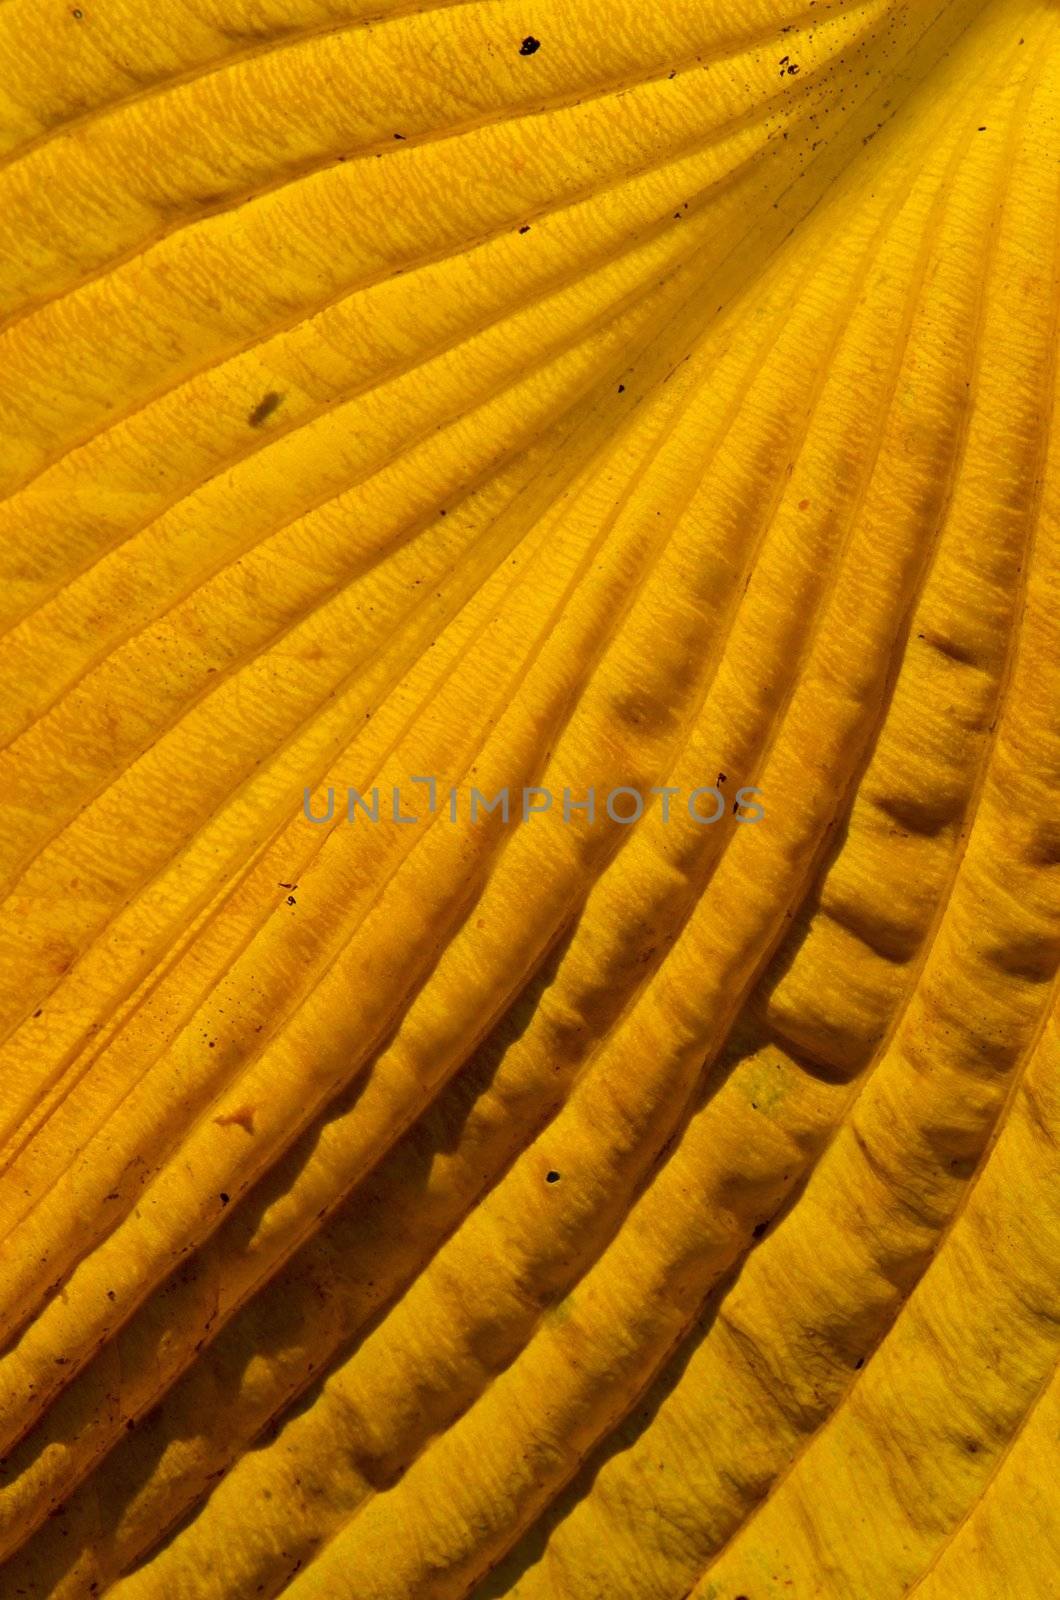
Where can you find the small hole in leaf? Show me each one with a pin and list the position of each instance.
(551, 1177)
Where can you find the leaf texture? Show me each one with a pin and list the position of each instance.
(553, 396)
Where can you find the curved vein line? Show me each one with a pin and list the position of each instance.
(47, 1392)
(275, 1266)
(379, 887)
(377, 382)
(791, 96)
(402, 9)
(632, 1399)
(345, 684)
(923, 956)
(214, 66)
(984, 1490)
(731, 253)
(564, 279)
(776, 731)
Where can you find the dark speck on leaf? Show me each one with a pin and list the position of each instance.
(225, 1199)
(264, 408)
(621, 388)
(530, 46)
(759, 1229)
(551, 1177)
(399, 136)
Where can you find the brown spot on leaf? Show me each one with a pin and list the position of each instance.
(241, 1117)
(265, 408)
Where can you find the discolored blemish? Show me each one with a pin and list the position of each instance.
(265, 408)
(530, 46)
(241, 1117)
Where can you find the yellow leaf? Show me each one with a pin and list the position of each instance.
(647, 1187)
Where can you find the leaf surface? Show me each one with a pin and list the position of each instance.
(555, 398)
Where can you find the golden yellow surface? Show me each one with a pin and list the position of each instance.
(556, 1211)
